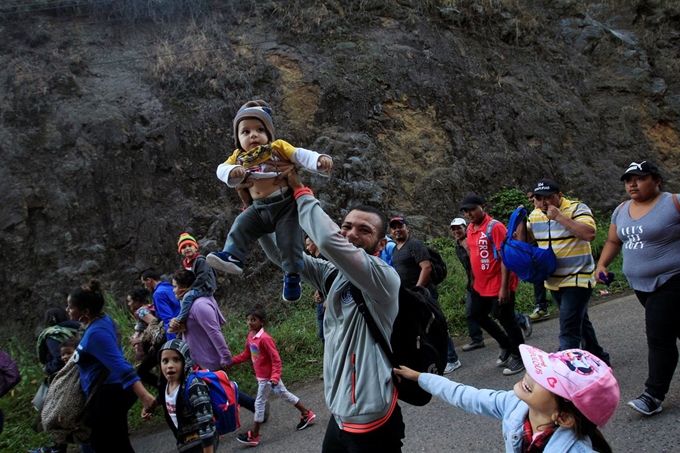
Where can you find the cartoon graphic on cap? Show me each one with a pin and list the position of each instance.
(577, 376)
(576, 361)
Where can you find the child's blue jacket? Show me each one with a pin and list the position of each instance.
(503, 405)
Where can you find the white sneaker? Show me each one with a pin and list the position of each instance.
(451, 367)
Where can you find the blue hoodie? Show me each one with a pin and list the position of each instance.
(166, 305)
(98, 352)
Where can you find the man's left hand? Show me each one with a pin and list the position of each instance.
(503, 296)
(293, 180)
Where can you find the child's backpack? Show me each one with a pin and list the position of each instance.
(531, 263)
(439, 270)
(419, 338)
(223, 398)
(58, 333)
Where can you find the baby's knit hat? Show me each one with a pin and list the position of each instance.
(257, 109)
(185, 238)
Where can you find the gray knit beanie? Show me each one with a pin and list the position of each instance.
(257, 109)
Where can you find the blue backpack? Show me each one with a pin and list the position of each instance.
(388, 251)
(529, 262)
(223, 398)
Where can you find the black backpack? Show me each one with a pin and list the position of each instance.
(419, 337)
(439, 270)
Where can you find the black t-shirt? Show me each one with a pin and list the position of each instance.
(407, 262)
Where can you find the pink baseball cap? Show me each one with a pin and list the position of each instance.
(575, 375)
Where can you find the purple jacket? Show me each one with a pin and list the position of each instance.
(204, 335)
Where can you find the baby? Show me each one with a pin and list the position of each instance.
(273, 208)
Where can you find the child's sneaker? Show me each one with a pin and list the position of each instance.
(306, 420)
(225, 262)
(292, 290)
(248, 439)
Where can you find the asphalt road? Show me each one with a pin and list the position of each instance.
(439, 427)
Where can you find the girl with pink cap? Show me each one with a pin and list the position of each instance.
(557, 406)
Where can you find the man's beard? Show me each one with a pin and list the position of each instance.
(373, 249)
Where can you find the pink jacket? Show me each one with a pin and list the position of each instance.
(260, 348)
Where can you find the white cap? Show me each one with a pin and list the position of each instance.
(458, 221)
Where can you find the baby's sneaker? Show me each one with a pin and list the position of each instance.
(306, 420)
(292, 290)
(225, 262)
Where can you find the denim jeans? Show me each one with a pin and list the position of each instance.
(512, 337)
(476, 334)
(274, 214)
(540, 296)
(188, 300)
(451, 355)
(662, 323)
(576, 330)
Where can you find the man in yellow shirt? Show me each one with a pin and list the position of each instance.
(568, 226)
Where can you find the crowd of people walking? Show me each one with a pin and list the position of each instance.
(559, 403)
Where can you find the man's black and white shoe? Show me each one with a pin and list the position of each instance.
(503, 358)
(646, 404)
(515, 366)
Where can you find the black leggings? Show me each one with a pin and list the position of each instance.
(662, 322)
(108, 418)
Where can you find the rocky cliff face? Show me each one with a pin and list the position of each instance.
(111, 130)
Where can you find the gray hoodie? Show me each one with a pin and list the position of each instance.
(357, 375)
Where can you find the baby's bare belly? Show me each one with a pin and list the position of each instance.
(263, 188)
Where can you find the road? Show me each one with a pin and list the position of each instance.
(439, 427)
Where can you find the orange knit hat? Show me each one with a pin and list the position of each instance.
(185, 238)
